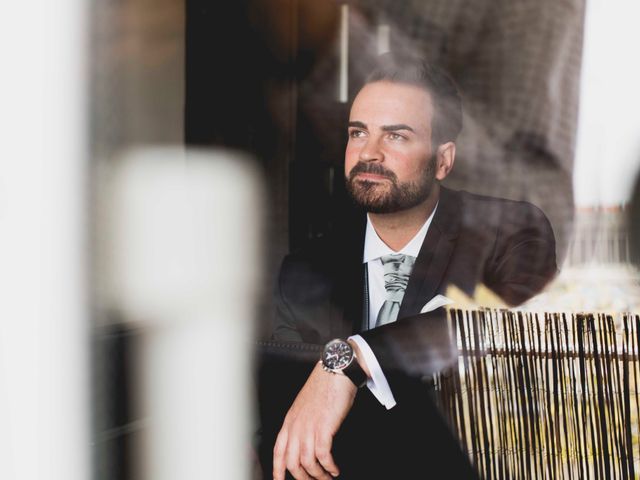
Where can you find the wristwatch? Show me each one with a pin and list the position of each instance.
(338, 357)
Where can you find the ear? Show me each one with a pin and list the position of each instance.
(445, 156)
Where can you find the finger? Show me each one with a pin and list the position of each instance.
(323, 454)
(293, 461)
(299, 473)
(310, 463)
(279, 451)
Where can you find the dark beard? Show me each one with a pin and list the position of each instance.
(376, 198)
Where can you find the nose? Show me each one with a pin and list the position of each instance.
(371, 151)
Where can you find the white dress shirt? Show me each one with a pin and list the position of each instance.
(374, 248)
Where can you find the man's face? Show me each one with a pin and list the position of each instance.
(389, 163)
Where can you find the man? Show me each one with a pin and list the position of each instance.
(369, 283)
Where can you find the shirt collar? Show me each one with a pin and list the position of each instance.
(375, 248)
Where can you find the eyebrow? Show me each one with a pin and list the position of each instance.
(393, 128)
(385, 128)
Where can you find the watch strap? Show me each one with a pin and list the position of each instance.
(355, 373)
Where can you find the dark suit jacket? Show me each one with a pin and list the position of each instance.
(506, 245)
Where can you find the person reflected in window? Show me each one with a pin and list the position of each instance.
(377, 286)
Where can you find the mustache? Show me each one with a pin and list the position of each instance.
(373, 168)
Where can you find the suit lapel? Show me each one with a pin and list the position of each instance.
(434, 256)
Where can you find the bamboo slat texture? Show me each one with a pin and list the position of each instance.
(546, 396)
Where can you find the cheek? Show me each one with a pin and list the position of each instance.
(351, 155)
(411, 165)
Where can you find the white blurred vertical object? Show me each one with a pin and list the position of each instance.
(182, 263)
(608, 138)
(343, 66)
(383, 38)
(44, 320)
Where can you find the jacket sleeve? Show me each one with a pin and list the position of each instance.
(524, 258)
(302, 300)
(285, 327)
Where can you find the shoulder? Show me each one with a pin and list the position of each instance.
(499, 213)
(489, 204)
(520, 257)
(324, 255)
(306, 263)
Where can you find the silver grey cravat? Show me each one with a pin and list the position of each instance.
(397, 268)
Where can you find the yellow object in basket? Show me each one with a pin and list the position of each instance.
(482, 297)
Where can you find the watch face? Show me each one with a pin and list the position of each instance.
(337, 354)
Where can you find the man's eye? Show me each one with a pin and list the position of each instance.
(356, 133)
(395, 136)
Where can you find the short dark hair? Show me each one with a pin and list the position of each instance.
(447, 104)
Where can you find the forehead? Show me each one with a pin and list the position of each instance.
(388, 103)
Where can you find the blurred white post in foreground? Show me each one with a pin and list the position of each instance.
(182, 263)
(44, 388)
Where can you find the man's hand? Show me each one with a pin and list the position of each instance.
(304, 443)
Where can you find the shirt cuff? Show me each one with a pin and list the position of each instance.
(377, 384)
